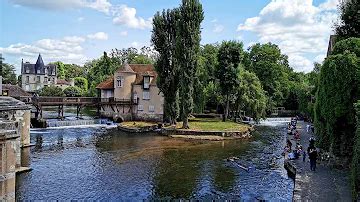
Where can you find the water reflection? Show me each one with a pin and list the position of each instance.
(92, 164)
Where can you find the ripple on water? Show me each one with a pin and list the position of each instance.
(92, 164)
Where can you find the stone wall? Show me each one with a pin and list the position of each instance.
(9, 153)
(14, 134)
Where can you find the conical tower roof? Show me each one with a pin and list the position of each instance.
(39, 63)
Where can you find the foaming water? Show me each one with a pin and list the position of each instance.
(95, 163)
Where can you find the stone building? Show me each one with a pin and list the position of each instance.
(36, 76)
(14, 135)
(135, 82)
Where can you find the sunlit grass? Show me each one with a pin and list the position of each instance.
(213, 124)
(136, 124)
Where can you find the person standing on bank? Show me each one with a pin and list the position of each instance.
(312, 152)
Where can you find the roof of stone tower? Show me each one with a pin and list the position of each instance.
(39, 63)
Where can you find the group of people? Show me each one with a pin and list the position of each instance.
(295, 153)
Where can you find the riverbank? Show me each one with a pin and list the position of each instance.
(200, 128)
(325, 184)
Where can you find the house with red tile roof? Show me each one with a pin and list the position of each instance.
(135, 82)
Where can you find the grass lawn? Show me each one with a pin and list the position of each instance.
(136, 124)
(214, 125)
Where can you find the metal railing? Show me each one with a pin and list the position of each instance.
(75, 100)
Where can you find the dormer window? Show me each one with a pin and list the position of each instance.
(38, 71)
(119, 81)
(27, 70)
(146, 82)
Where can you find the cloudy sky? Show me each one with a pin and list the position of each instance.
(75, 31)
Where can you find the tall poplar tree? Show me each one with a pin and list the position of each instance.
(188, 46)
(164, 41)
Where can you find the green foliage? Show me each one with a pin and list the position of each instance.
(187, 52)
(164, 41)
(334, 111)
(272, 68)
(51, 91)
(355, 164)
(251, 97)
(82, 83)
(351, 45)
(229, 56)
(73, 91)
(8, 74)
(349, 25)
(205, 74)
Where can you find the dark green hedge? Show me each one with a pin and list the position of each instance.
(355, 165)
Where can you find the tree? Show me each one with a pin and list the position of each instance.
(349, 25)
(82, 83)
(355, 164)
(229, 57)
(272, 68)
(73, 91)
(164, 41)
(187, 52)
(8, 74)
(250, 96)
(51, 91)
(205, 73)
(334, 111)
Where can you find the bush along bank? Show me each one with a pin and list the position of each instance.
(355, 164)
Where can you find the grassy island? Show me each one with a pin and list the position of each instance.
(214, 124)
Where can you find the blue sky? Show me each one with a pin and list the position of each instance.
(75, 31)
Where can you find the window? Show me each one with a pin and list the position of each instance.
(46, 70)
(45, 80)
(27, 70)
(146, 95)
(135, 97)
(151, 108)
(38, 71)
(140, 108)
(146, 82)
(38, 79)
(119, 81)
(27, 88)
(27, 79)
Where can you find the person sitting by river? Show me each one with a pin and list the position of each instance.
(297, 135)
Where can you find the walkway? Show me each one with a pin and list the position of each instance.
(325, 184)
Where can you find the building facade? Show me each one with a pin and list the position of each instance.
(137, 84)
(36, 76)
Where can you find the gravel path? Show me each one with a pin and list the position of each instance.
(325, 184)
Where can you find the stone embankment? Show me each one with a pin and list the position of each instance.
(324, 184)
(14, 135)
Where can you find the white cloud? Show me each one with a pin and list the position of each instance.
(99, 5)
(68, 49)
(125, 15)
(98, 36)
(320, 58)
(123, 33)
(297, 26)
(80, 19)
(135, 44)
(218, 28)
(121, 14)
(329, 5)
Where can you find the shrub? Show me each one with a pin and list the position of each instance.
(355, 165)
(52, 91)
(73, 91)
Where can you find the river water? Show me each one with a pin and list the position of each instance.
(95, 163)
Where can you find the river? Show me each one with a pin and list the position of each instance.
(97, 163)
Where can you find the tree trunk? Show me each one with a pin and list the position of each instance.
(226, 114)
(185, 123)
